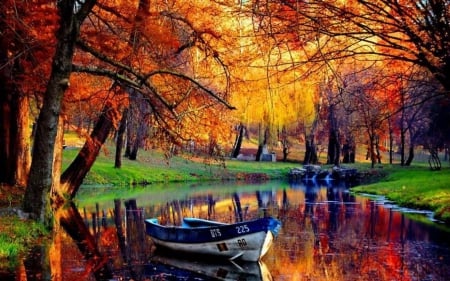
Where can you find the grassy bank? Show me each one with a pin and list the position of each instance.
(416, 187)
(15, 236)
(153, 167)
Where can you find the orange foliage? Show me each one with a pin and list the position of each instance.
(31, 39)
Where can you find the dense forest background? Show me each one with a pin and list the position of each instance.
(177, 75)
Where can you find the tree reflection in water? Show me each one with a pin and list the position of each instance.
(327, 234)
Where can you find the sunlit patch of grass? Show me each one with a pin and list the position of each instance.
(15, 235)
(415, 187)
(151, 166)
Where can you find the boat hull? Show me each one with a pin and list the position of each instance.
(248, 241)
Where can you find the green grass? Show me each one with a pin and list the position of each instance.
(15, 235)
(153, 167)
(415, 187)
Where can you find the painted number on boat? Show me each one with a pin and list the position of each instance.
(215, 232)
(242, 243)
(242, 229)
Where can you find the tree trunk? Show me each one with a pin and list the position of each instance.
(238, 143)
(310, 145)
(391, 141)
(284, 143)
(140, 133)
(262, 143)
(334, 151)
(259, 152)
(36, 199)
(310, 152)
(8, 101)
(371, 152)
(23, 144)
(377, 149)
(119, 142)
(57, 160)
(6, 136)
(410, 156)
(73, 176)
(15, 156)
(434, 161)
(402, 147)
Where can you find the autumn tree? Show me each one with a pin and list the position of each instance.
(25, 39)
(414, 32)
(98, 47)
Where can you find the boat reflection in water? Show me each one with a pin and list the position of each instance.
(172, 268)
(327, 234)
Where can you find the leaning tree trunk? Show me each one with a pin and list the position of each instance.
(410, 156)
(73, 176)
(238, 143)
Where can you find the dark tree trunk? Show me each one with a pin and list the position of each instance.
(402, 129)
(119, 142)
(134, 150)
(73, 176)
(410, 156)
(37, 200)
(142, 126)
(136, 124)
(402, 147)
(377, 149)
(15, 156)
(371, 151)
(391, 141)
(310, 152)
(333, 148)
(238, 143)
(259, 152)
(310, 145)
(284, 143)
(7, 133)
(285, 152)
(128, 143)
(434, 161)
(262, 144)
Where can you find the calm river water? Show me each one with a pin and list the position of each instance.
(327, 234)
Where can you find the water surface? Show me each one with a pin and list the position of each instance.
(327, 234)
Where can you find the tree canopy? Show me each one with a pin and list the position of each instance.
(177, 72)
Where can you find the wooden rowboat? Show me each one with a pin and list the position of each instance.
(248, 240)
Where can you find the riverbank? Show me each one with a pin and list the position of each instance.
(415, 187)
(16, 235)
